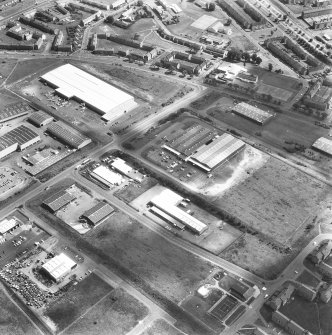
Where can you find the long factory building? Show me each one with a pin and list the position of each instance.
(72, 83)
(202, 147)
(165, 206)
(18, 138)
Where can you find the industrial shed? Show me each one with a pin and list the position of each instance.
(68, 135)
(59, 266)
(98, 213)
(324, 145)
(167, 202)
(72, 83)
(58, 200)
(14, 110)
(217, 152)
(40, 118)
(252, 113)
(17, 139)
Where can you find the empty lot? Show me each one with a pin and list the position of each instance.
(276, 200)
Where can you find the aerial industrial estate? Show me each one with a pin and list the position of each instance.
(166, 167)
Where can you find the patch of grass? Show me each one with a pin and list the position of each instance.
(308, 278)
(12, 320)
(77, 300)
(118, 312)
(161, 327)
(206, 100)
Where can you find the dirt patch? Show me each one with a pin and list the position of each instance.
(161, 327)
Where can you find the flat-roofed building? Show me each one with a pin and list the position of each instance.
(106, 176)
(217, 152)
(72, 83)
(40, 118)
(121, 166)
(59, 266)
(8, 225)
(98, 213)
(167, 202)
(324, 145)
(164, 216)
(37, 158)
(58, 200)
(68, 135)
(252, 113)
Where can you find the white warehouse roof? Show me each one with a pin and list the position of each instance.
(6, 225)
(107, 176)
(323, 144)
(121, 165)
(59, 266)
(71, 82)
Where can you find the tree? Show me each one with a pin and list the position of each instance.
(211, 6)
(270, 67)
(254, 57)
(246, 56)
(228, 22)
(140, 3)
(258, 60)
(110, 19)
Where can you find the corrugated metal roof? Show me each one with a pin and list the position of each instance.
(39, 117)
(20, 135)
(323, 144)
(58, 200)
(98, 212)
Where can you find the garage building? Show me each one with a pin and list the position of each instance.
(217, 152)
(72, 83)
(58, 200)
(68, 135)
(40, 118)
(14, 110)
(98, 213)
(8, 225)
(59, 266)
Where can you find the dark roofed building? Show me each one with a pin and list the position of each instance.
(14, 110)
(98, 213)
(21, 135)
(58, 200)
(279, 298)
(68, 135)
(238, 288)
(40, 118)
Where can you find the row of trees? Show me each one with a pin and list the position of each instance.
(236, 54)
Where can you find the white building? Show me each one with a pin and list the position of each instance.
(8, 225)
(59, 266)
(72, 83)
(106, 176)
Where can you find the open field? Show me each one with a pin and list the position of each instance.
(147, 86)
(161, 327)
(32, 67)
(12, 320)
(119, 312)
(6, 97)
(276, 200)
(7, 66)
(256, 256)
(141, 250)
(77, 300)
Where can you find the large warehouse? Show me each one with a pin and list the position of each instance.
(68, 135)
(17, 139)
(72, 83)
(59, 266)
(167, 202)
(217, 152)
